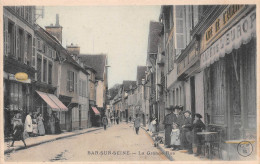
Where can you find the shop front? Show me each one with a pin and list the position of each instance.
(50, 107)
(229, 62)
(17, 98)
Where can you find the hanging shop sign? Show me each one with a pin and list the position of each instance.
(240, 33)
(21, 77)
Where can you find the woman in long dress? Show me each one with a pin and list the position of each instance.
(41, 130)
(34, 125)
(18, 130)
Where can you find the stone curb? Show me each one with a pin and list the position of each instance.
(50, 140)
(160, 147)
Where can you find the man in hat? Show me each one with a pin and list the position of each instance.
(198, 126)
(168, 120)
(186, 131)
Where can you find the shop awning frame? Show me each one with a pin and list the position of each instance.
(95, 110)
(54, 103)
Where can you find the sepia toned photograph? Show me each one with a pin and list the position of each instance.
(139, 83)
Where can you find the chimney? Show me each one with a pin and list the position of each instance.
(57, 20)
(73, 49)
(56, 30)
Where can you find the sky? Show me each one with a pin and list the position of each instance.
(121, 32)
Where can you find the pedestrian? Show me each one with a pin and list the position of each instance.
(175, 137)
(198, 126)
(34, 125)
(52, 123)
(168, 120)
(28, 124)
(117, 119)
(179, 119)
(105, 122)
(18, 130)
(111, 119)
(186, 133)
(137, 124)
(41, 130)
(57, 124)
(153, 125)
(130, 118)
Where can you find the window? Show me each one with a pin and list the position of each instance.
(80, 87)
(20, 44)
(44, 70)
(50, 73)
(39, 67)
(71, 81)
(9, 38)
(16, 96)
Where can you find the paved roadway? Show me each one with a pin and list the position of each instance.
(117, 143)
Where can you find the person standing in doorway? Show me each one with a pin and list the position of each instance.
(168, 121)
(41, 130)
(137, 124)
(198, 126)
(186, 133)
(57, 124)
(28, 124)
(105, 122)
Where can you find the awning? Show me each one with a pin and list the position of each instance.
(95, 111)
(241, 33)
(54, 103)
(58, 102)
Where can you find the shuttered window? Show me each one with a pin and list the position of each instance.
(179, 29)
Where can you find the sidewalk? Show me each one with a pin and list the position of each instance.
(34, 141)
(174, 155)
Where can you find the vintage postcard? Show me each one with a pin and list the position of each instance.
(137, 82)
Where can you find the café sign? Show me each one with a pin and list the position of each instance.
(240, 33)
(227, 15)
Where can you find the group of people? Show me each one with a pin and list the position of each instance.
(32, 126)
(114, 120)
(181, 132)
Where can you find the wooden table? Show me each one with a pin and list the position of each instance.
(208, 144)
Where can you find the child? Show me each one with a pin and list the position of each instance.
(175, 137)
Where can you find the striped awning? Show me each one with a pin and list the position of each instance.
(54, 103)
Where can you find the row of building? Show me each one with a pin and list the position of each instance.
(204, 59)
(60, 80)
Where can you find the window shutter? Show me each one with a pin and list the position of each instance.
(75, 82)
(17, 45)
(33, 53)
(6, 37)
(68, 80)
(25, 47)
(195, 15)
(179, 29)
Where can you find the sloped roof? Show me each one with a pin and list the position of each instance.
(140, 74)
(154, 35)
(127, 84)
(97, 62)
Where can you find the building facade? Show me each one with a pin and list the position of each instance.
(19, 56)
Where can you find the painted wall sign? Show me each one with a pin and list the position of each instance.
(240, 33)
(227, 15)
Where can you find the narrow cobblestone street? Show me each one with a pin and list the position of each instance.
(117, 143)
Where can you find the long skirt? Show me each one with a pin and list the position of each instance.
(41, 129)
(35, 129)
(168, 130)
